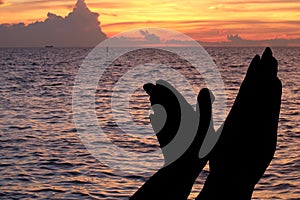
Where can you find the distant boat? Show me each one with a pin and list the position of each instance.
(49, 46)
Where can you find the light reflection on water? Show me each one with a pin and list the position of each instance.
(43, 157)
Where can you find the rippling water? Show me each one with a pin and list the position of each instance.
(42, 155)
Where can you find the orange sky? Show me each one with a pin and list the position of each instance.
(208, 20)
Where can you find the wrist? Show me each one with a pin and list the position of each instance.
(185, 169)
(228, 188)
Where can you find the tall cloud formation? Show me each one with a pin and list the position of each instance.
(80, 28)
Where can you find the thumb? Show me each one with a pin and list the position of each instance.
(204, 109)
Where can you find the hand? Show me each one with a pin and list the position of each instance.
(248, 140)
(180, 134)
(177, 124)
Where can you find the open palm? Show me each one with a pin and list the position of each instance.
(248, 139)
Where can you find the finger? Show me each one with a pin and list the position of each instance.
(269, 64)
(156, 96)
(149, 88)
(167, 112)
(204, 108)
(253, 68)
(162, 99)
(162, 93)
(163, 90)
(167, 87)
(205, 99)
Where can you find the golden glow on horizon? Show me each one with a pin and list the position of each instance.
(210, 20)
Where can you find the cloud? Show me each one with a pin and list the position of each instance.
(109, 14)
(1, 2)
(264, 2)
(175, 42)
(80, 28)
(203, 22)
(150, 37)
(236, 40)
(135, 38)
(219, 29)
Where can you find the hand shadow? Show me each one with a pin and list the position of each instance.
(248, 139)
(176, 178)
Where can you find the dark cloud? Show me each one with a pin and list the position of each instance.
(147, 37)
(80, 28)
(150, 37)
(236, 40)
(180, 42)
(141, 37)
(1, 2)
(219, 29)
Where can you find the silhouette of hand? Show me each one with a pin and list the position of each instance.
(180, 134)
(248, 140)
(178, 127)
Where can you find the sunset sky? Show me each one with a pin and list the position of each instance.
(209, 20)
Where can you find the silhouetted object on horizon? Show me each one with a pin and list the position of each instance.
(244, 150)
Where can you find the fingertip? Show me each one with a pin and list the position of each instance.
(267, 53)
(269, 64)
(204, 109)
(255, 61)
(253, 66)
(256, 58)
(206, 94)
(149, 88)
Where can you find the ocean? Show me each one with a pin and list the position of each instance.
(43, 156)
